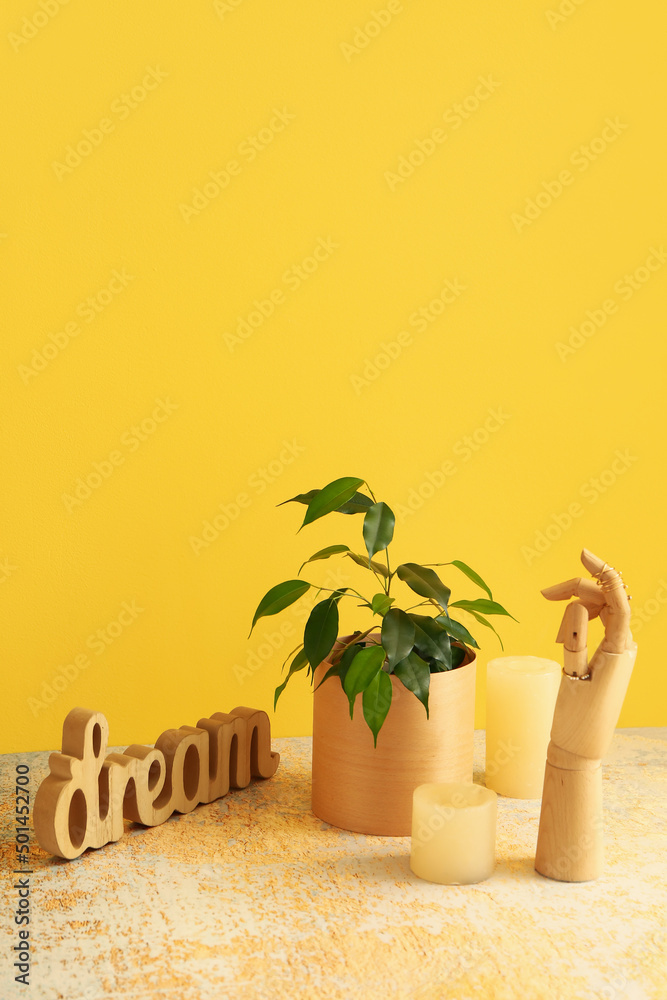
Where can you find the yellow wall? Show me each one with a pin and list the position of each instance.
(124, 354)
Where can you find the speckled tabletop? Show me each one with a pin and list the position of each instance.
(253, 897)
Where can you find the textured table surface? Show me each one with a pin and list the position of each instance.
(253, 897)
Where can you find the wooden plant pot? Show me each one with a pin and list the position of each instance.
(369, 790)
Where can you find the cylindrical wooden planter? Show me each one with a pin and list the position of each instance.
(369, 790)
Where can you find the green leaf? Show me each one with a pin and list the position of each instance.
(277, 693)
(279, 598)
(483, 607)
(298, 663)
(415, 674)
(378, 529)
(432, 642)
(458, 656)
(457, 630)
(363, 669)
(333, 496)
(321, 630)
(359, 503)
(345, 661)
(470, 573)
(380, 604)
(376, 701)
(363, 561)
(483, 621)
(331, 550)
(331, 672)
(300, 498)
(341, 668)
(424, 582)
(398, 636)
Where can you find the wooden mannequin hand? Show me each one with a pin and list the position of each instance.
(569, 841)
(591, 694)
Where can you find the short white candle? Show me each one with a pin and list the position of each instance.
(453, 833)
(520, 700)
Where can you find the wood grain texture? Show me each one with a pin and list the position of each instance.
(369, 790)
(86, 796)
(590, 697)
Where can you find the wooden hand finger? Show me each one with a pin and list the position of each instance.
(616, 618)
(573, 633)
(587, 591)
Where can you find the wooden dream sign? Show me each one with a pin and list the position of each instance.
(86, 795)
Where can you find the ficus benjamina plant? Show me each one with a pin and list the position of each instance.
(412, 645)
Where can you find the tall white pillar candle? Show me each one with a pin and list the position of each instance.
(520, 700)
(453, 833)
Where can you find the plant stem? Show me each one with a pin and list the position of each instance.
(336, 590)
